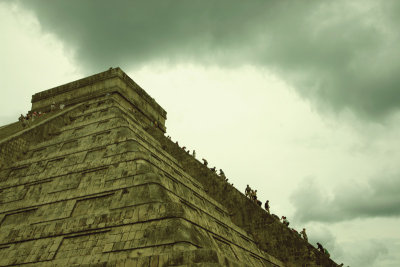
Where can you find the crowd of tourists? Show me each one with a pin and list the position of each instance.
(205, 162)
(32, 115)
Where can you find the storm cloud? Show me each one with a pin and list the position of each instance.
(341, 55)
(378, 197)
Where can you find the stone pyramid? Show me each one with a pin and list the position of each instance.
(96, 183)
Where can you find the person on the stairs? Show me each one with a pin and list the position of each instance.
(320, 247)
(222, 174)
(266, 206)
(303, 233)
(285, 221)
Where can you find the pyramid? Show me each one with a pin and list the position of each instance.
(97, 183)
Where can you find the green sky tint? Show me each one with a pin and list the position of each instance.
(341, 55)
(233, 77)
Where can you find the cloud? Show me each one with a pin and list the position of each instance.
(340, 55)
(378, 197)
(367, 253)
(30, 62)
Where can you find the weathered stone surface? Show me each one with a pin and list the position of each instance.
(98, 184)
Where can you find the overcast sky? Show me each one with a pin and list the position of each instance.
(298, 99)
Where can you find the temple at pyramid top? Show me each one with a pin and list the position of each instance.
(112, 81)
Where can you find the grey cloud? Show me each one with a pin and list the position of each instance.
(369, 256)
(339, 55)
(369, 253)
(379, 197)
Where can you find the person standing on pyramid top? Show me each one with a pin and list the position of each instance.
(205, 162)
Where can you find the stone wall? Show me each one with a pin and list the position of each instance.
(100, 190)
(98, 184)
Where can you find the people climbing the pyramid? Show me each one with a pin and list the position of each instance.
(247, 191)
(323, 250)
(304, 235)
(266, 206)
(23, 120)
(295, 231)
(252, 195)
(205, 162)
(222, 174)
(327, 253)
(320, 247)
(285, 221)
(32, 115)
(254, 198)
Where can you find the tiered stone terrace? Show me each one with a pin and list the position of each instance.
(98, 184)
